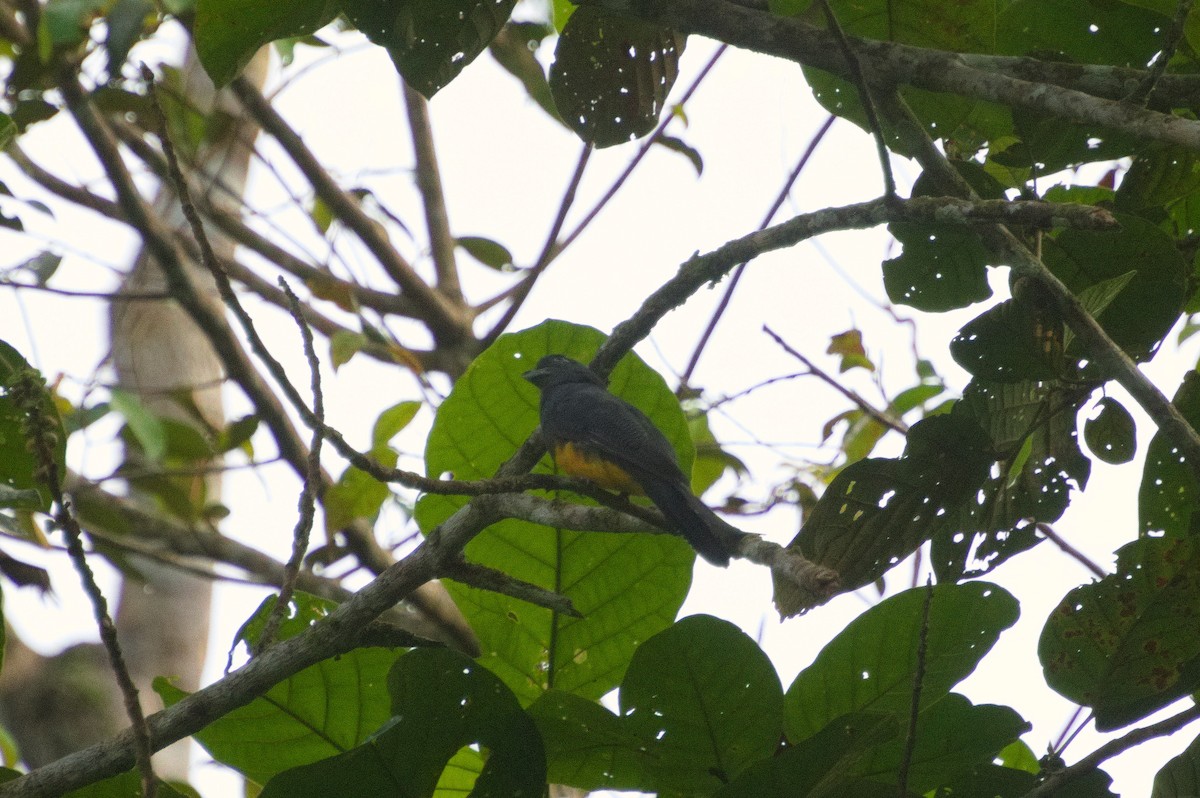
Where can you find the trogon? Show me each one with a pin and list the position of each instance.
(598, 436)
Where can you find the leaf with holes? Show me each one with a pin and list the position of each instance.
(878, 511)
(1170, 493)
(706, 702)
(1033, 431)
(588, 747)
(1010, 342)
(611, 75)
(430, 41)
(1111, 433)
(871, 664)
(1126, 646)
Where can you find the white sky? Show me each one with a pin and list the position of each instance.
(505, 166)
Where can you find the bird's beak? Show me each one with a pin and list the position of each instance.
(533, 375)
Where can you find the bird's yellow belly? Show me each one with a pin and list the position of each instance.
(578, 462)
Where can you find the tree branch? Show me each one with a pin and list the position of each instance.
(429, 182)
(1055, 781)
(789, 38)
(445, 321)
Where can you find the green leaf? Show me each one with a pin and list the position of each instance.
(627, 586)
(125, 23)
(706, 701)
(8, 130)
(392, 421)
(1170, 492)
(441, 702)
(1179, 778)
(872, 663)
(486, 251)
(344, 345)
(514, 47)
(612, 74)
(324, 710)
(147, 428)
(711, 460)
(126, 785)
(237, 435)
(228, 33)
(357, 494)
(430, 41)
(952, 737)
(1111, 433)
(1119, 34)
(878, 511)
(849, 346)
(1010, 342)
(1126, 645)
(65, 23)
(942, 267)
(1032, 427)
(18, 466)
(1143, 312)
(588, 747)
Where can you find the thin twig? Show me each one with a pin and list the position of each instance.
(429, 182)
(517, 294)
(1057, 780)
(1113, 361)
(887, 420)
(1048, 532)
(1171, 42)
(28, 393)
(727, 297)
(644, 148)
(444, 320)
(485, 578)
(914, 713)
(854, 68)
(312, 482)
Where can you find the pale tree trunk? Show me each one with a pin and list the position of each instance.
(56, 705)
(158, 352)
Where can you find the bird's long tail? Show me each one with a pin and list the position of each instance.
(711, 537)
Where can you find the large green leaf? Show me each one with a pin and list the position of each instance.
(430, 41)
(1179, 778)
(872, 664)
(952, 736)
(705, 700)
(612, 74)
(1111, 434)
(1127, 645)
(878, 511)
(324, 710)
(1013, 341)
(1170, 492)
(1033, 431)
(589, 747)
(1081, 31)
(125, 785)
(229, 32)
(628, 587)
(1144, 311)
(441, 702)
(19, 485)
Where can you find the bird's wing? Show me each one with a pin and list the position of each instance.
(616, 430)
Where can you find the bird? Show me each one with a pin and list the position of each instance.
(598, 436)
